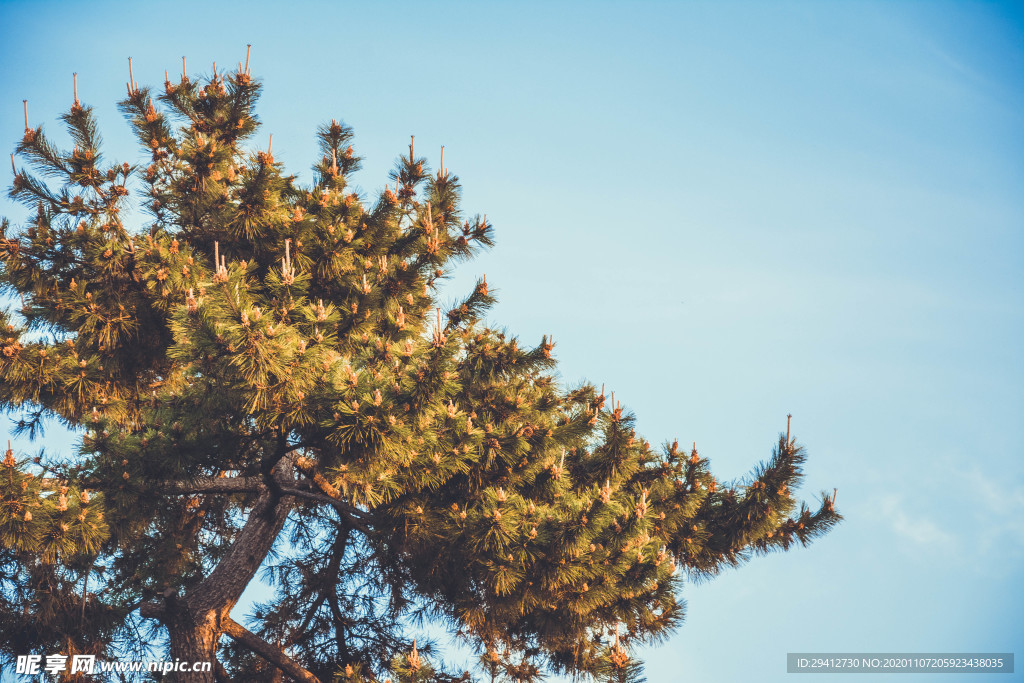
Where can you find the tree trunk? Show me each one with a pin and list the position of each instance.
(196, 622)
(192, 642)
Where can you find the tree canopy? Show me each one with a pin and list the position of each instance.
(264, 377)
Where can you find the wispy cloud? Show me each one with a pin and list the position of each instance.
(987, 524)
(916, 528)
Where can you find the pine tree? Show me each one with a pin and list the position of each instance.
(263, 376)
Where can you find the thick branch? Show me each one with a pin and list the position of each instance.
(288, 486)
(356, 516)
(299, 489)
(272, 654)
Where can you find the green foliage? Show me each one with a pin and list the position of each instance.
(263, 338)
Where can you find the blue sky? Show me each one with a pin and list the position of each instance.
(726, 212)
